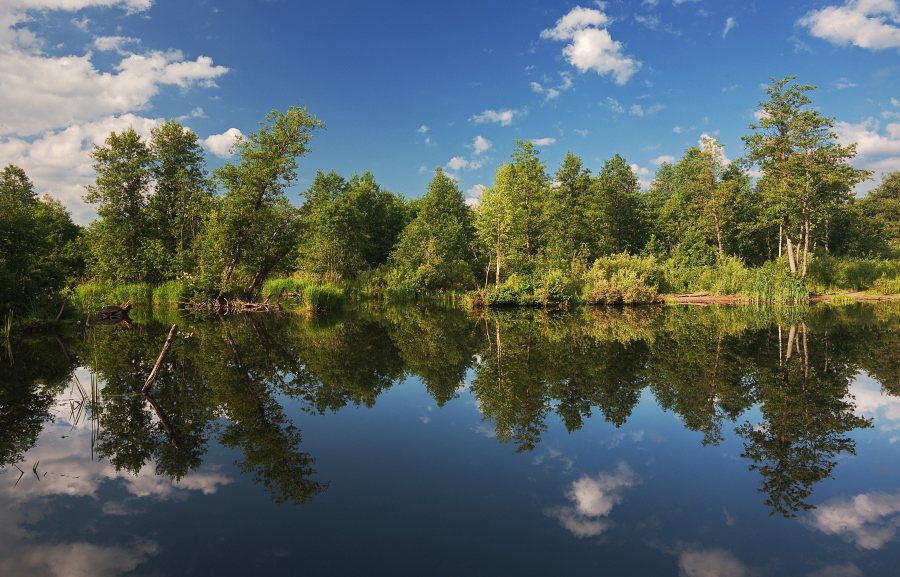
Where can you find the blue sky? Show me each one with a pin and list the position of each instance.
(404, 87)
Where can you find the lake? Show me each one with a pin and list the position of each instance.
(685, 441)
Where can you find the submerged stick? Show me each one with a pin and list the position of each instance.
(159, 361)
(162, 419)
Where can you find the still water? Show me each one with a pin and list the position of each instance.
(716, 441)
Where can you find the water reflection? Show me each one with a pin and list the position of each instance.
(227, 379)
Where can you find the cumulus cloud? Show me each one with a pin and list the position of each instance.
(869, 24)
(502, 117)
(593, 499)
(877, 148)
(58, 107)
(659, 160)
(590, 46)
(220, 144)
(644, 175)
(481, 144)
(869, 520)
(422, 129)
(636, 110)
(457, 163)
(543, 141)
(473, 195)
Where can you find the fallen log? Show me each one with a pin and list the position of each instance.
(162, 355)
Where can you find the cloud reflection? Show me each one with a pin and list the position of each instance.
(593, 499)
(869, 520)
(710, 563)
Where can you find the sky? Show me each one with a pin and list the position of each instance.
(404, 87)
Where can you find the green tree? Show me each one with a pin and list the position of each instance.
(39, 244)
(619, 206)
(252, 213)
(882, 205)
(508, 218)
(348, 225)
(567, 227)
(434, 251)
(181, 198)
(121, 188)
(804, 168)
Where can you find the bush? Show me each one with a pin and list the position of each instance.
(622, 286)
(323, 297)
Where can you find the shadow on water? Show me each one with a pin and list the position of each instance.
(226, 378)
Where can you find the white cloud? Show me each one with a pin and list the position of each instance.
(659, 160)
(729, 24)
(220, 144)
(422, 129)
(614, 105)
(481, 144)
(473, 195)
(869, 520)
(877, 149)
(106, 43)
(636, 110)
(865, 23)
(593, 499)
(582, 132)
(710, 563)
(58, 107)
(678, 129)
(503, 117)
(844, 83)
(457, 163)
(590, 45)
(543, 141)
(895, 102)
(577, 19)
(58, 161)
(644, 175)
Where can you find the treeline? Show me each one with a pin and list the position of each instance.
(535, 236)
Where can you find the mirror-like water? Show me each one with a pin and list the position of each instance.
(684, 441)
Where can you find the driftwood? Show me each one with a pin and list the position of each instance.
(224, 305)
(162, 355)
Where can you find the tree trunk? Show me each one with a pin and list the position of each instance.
(497, 278)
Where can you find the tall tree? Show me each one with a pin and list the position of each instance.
(120, 191)
(348, 225)
(247, 215)
(882, 204)
(566, 223)
(508, 219)
(38, 244)
(434, 251)
(619, 205)
(182, 194)
(804, 167)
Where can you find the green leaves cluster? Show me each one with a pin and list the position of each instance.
(39, 245)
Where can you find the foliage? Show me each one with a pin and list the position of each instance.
(433, 252)
(39, 246)
(252, 229)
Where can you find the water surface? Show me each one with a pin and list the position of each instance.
(680, 441)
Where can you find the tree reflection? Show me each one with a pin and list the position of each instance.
(807, 416)
(32, 372)
(226, 378)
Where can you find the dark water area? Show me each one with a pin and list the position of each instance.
(685, 441)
